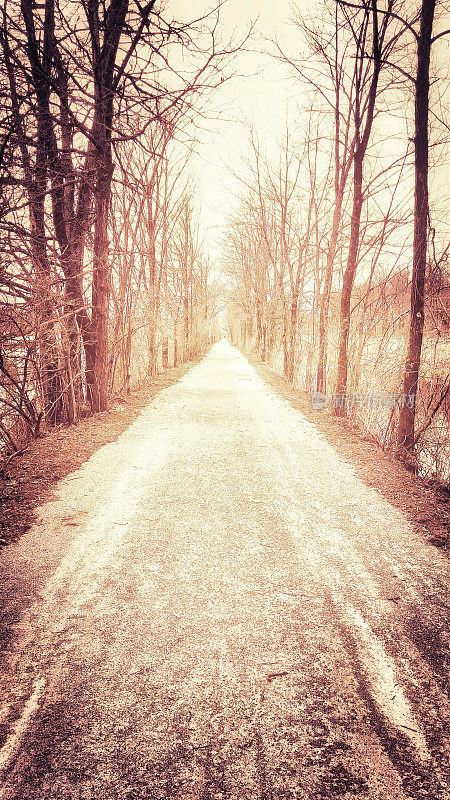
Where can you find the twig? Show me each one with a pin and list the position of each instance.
(13, 455)
(276, 675)
(444, 392)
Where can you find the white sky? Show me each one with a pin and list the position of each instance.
(261, 97)
(258, 97)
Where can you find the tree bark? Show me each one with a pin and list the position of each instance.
(101, 280)
(347, 285)
(292, 338)
(104, 51)
(405, 434)
(363, 130)
(324, 308)
(40, 68)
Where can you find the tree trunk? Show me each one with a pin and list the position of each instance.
(347, 286)
(165, 352)
(362, 136)
(175, 340)
(101, 279)
(324, 308)
(405, 434)
(153, 353)
(104, 58)
(264, 342)
(292, 338)
(258, 327)
(37, 180)
(186, 325)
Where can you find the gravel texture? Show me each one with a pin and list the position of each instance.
(216, 606)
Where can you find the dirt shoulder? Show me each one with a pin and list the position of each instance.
(27, 479)
(425, 506)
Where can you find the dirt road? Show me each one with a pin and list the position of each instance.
(216, 607)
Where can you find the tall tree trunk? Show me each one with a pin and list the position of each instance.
(340, 179)
(185, 286)
(347, 284)
(405, 434)
(271, 335)
(324, 308)
(164, 316)
(165, 351)
(104, 52)
(101, 280)
(292, 338)
(175, 340)
(186, 324)
(152, 366)
(264, 342)
(37, 180)
(362, 136)
(258, 326)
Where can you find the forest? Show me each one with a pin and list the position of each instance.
(334, 262)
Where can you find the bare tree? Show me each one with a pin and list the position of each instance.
(79, 84)
(365, 87)
(405, 435)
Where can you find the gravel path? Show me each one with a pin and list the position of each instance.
(215, 606)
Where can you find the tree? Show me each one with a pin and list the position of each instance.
(325, 71)
(81, 83)
(365, 86)
(405, 435)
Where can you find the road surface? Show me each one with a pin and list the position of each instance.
(215, 606)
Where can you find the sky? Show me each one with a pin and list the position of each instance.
(261, 97)
(257, 97)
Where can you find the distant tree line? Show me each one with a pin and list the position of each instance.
(102, 276)
(339, 275)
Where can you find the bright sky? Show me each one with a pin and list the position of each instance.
(258, 97)
(262, 97)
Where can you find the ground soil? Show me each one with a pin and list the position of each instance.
(425, 505)
(27, 478)
(217, 605)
